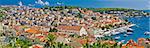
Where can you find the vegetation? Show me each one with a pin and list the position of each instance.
(109, 26)
(109, 9)
(127, 11)
(16, 42)
(79, 15)
(50, 37)
(105, 38)
(53, 30)
(101, 45)
(94, 18)
(52, 44)
(59, 45)
(23, 43)
(60, 7)
(2, 14)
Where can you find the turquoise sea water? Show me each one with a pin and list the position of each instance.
(142, 25)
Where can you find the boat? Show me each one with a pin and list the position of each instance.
(122, 41)
(115, 33)
(118, 37)
(20, 3)
(129, 33)
(147, 33)
(129, 30)
(125, 35)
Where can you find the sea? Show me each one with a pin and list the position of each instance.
(142, 23)
(142, 26)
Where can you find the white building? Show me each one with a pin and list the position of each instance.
(73, 30)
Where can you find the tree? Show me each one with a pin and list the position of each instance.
(50, 42)
(94, 18)
(50, 37)
(53, 30)
(79, 15)
(23, 43)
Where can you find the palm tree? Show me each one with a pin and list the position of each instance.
(50, 39)
(23, 43)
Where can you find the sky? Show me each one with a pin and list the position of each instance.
(135, 4)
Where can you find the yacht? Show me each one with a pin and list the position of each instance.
(129, 33)
(122, 41)
(20, 3)
(147, 33)
(118, 37)
(129, 30)
(115, 33)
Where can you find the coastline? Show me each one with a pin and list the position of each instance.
(109, 33)
(121, 29)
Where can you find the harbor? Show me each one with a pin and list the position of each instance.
(140, 30)
(118, 30)
(70, 24)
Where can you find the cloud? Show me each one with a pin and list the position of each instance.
(41, 2)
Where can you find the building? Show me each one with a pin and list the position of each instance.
(73, 30)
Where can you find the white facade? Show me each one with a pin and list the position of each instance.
(83, 31)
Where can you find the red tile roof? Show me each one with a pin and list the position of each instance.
(69, 28)
(34, 31)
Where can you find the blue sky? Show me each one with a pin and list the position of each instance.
(135, 4)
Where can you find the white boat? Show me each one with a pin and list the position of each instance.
(117, 37)
(115, 33)
(20, 3)
(129, 33)
(98, 36)
(147, 33)
(129, 29)
(131, 25)
(122, 41)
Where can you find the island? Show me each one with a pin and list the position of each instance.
(65, 27)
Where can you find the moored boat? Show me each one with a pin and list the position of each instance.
(20, 3)
(129, 33)
(118, 37)
(147, 33)
(115, 33)
(129, 30)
